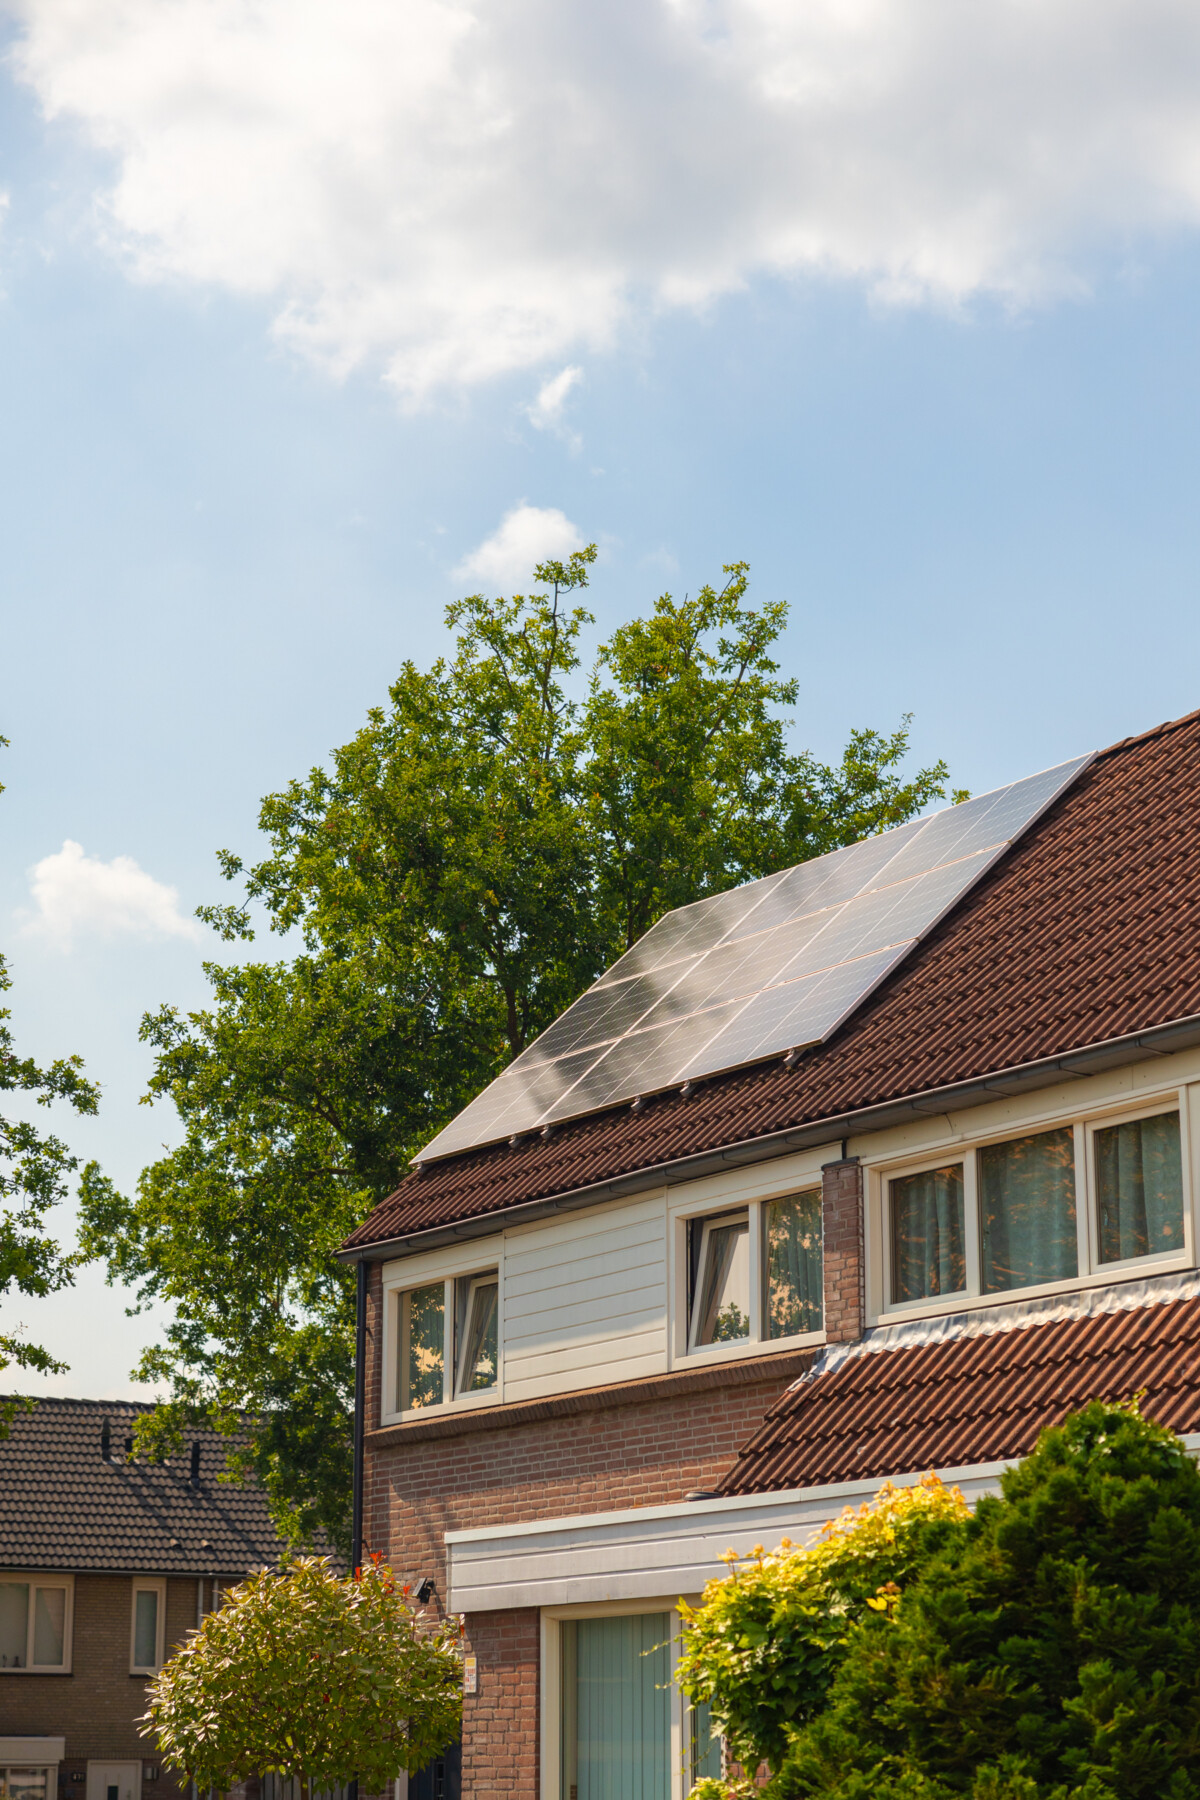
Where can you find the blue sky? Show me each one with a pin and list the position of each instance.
(905, 317)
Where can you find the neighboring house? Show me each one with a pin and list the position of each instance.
(910, 1166)
(106, 1563)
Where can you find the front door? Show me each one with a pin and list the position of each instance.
(114, 1781)
(439, 1780)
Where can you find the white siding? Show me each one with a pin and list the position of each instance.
(585, 1300)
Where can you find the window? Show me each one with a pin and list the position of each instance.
(448, 1341)
(35, 1623)
(721, 1289)
(1018, 1214)
(615, 1735)
(478, 1314)
(1139, 1188)
(24, 1784)
(755, 1275)
(146, 1627)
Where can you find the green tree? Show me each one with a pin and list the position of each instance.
(461, 870)
(311, 1676)
(35, 1166)
(1049, 1650)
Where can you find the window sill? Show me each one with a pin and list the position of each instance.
(942, 1306)
(445, 1409)
(748, 1347)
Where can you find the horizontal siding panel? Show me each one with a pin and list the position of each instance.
(595, 1374)
(611, 1348)
(584, 1286)
(600, 1315)
(543, 1248)
(595, 1255)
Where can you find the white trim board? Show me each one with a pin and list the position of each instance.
(33, 1752)
(644, 1552)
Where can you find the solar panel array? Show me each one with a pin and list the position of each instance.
(746, 975)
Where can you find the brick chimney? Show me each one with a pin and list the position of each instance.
(842, 1223)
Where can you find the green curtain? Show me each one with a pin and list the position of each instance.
(1139, 1188)
(928, 1246)
(795, 1290)
(1027, 1211)
(617, 1708)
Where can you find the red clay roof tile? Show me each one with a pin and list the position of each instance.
(972, 1399)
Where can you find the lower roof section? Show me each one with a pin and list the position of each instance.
(984, 1391)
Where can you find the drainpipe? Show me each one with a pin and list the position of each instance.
(360, 1427)
(360, 1413)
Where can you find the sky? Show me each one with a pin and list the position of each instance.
(317, 313)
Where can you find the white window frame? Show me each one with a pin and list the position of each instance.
(66, 1582)
(490, 1278)
(709, 1223)
(480, 1260)
(712, 1211)
(148, 1584)
(552, 1618)
(1091, 1271)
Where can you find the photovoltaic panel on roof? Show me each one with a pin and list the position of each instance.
(775, 965)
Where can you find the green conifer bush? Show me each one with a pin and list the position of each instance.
(1048, 1649)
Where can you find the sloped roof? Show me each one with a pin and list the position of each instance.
(62, 1506)
(974, 1398)
(1086, 931)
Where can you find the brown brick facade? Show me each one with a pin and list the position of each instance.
(96, 1706)
(643, 1444)
(842, 1226)
(502, 1720)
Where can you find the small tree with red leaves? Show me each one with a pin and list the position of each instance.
(313, 1676)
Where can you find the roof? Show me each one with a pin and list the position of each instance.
(974, 1398)
(62, 1506)
(1087, 930)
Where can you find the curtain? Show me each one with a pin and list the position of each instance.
(1139, 1183)
(1027, 1211)
(795, 1292)
(928, 1250)
(617, 1708)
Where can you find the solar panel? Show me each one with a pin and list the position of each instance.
(746, 975)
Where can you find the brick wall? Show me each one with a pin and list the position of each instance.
(627, 1453)
(95, 1707)
(842, 1224)
(501, 1722)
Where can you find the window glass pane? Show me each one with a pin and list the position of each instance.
(145, 1628)
(795, 1294)
(26, 1784)
(1027, 1211)
(49, 1618)
(616, 1714)
(705, 1744)
(422, 1339)
(478, 1353)
(14, 1624)
(1139, 1188)
(723, 1315)
(928, 1246)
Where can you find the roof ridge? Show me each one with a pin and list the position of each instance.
(1153, 731)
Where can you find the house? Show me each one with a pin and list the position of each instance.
(879, 1165)
(106, 1562)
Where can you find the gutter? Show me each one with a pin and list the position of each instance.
(1093, 1059)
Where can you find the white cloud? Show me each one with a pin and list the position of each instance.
(75, 894)
(524, 536)
(546, 412)
(454, 189)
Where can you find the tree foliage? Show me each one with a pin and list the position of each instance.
(1048, 1648)
(35, 1166)
(314, 1677)
(461, 869)
(764, 1644)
